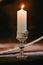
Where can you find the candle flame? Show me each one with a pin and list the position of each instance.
(22, 6)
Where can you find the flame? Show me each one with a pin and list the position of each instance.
(22, 6)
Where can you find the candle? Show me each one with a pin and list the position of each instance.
(21, 21)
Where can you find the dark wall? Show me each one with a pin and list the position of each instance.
(5, 30)
(36, 19)
(8, 17)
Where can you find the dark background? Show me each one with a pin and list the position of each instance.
(8, 18)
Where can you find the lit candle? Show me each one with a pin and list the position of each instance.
(21, 20)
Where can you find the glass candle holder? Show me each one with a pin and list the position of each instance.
(22, 37)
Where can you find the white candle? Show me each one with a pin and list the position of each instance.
(21, 21)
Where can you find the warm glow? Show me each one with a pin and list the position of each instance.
(22, 6)
(1, 0)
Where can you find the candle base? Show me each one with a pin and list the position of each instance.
(21, 57)
(22, 37)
